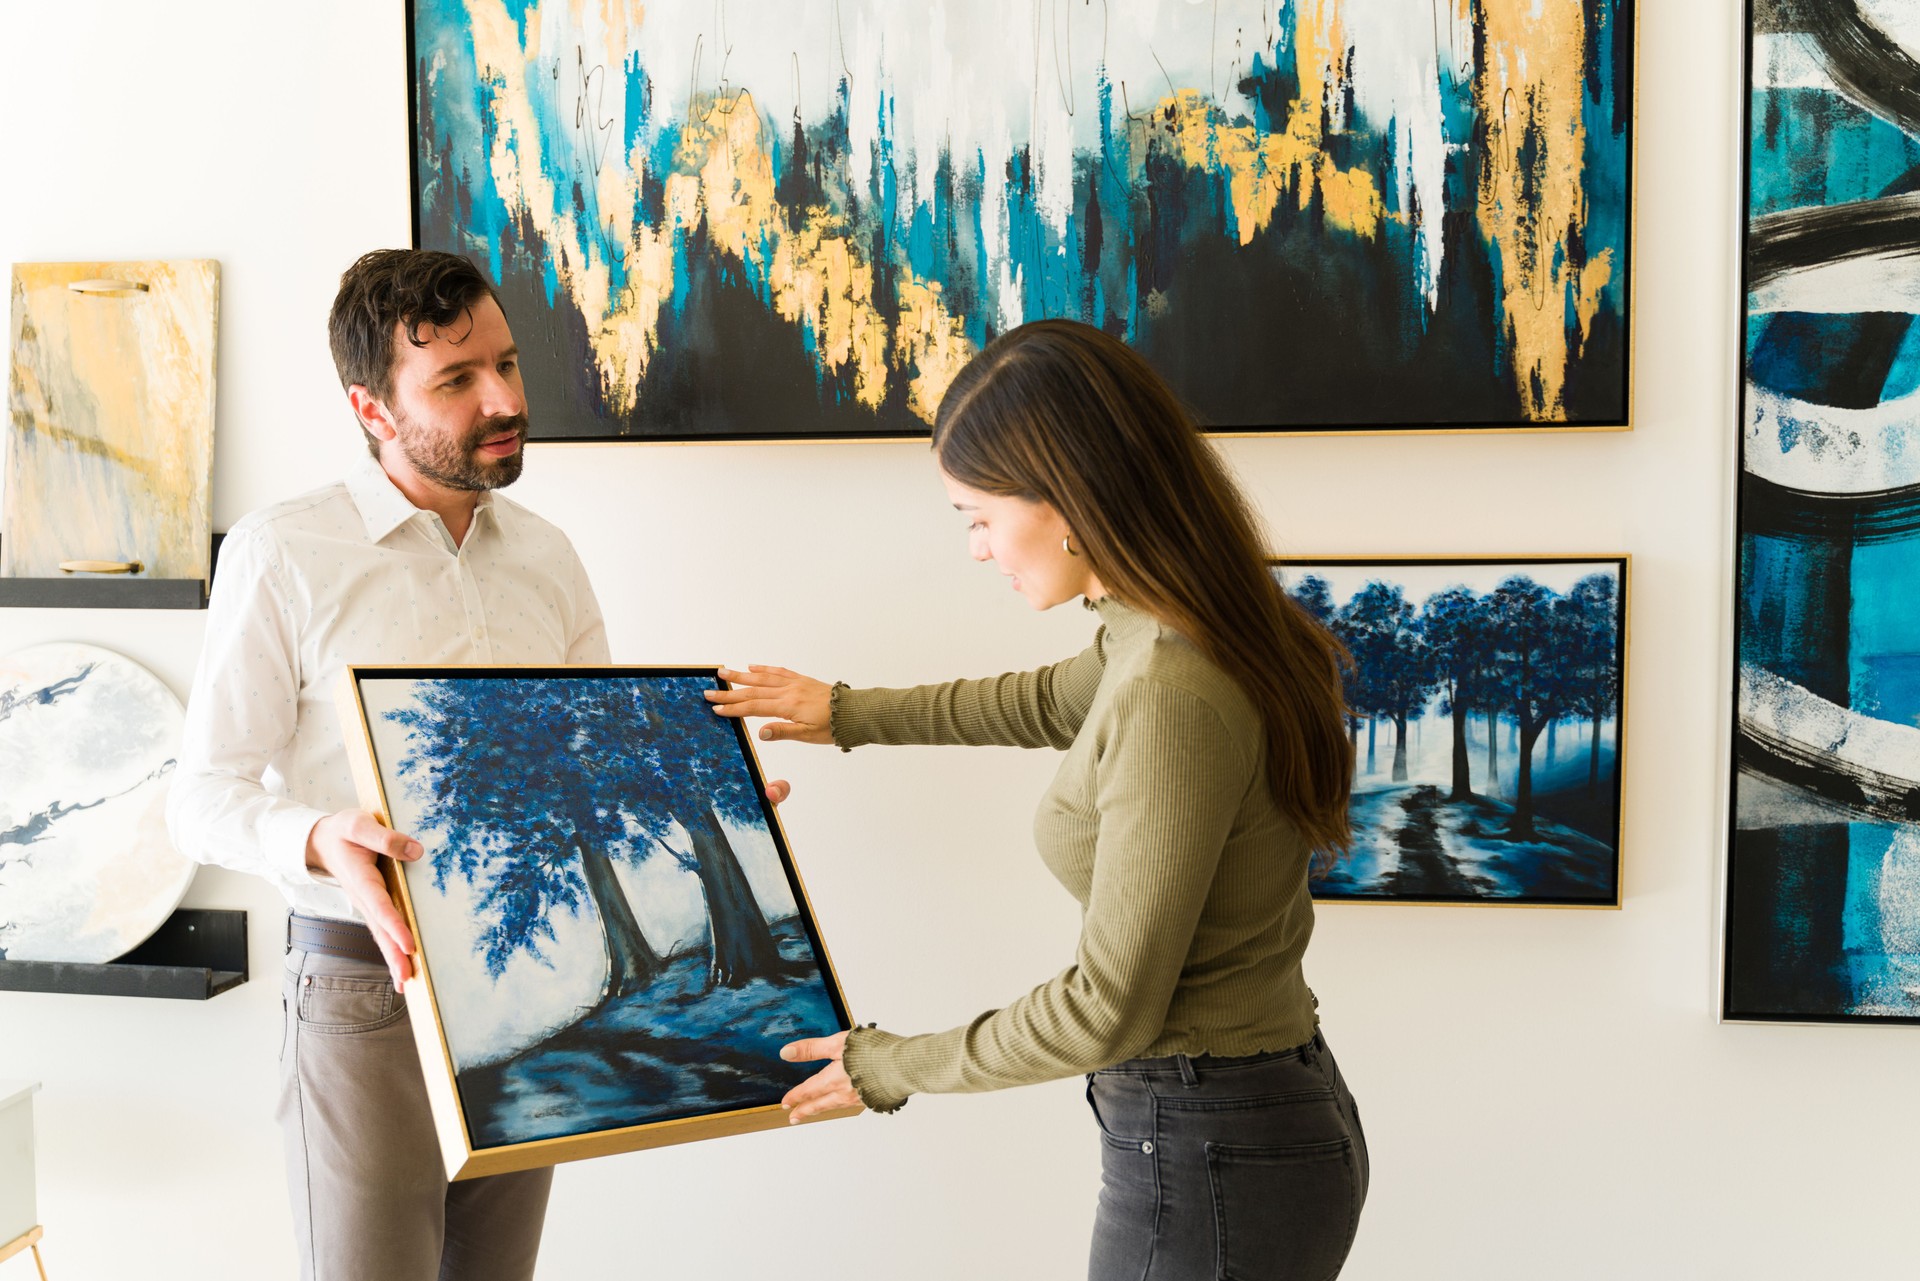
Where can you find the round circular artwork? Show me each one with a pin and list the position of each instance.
(88, 743)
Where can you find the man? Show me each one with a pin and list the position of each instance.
(412, 559)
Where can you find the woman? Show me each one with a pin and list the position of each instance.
(1205, 763)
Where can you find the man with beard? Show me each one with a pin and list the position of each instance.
(412, 559)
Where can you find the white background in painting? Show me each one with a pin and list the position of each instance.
(487, 1019)
(1547, 1093)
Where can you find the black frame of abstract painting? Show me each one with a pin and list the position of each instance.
(1623, 617)
(1752, 495)
(463, 1159)
(1628, 15)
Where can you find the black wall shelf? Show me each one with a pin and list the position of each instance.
(109, 591)
(199, 953)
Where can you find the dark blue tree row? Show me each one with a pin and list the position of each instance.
(1521, 651)
(540, 786)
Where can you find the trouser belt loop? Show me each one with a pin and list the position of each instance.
(1188, 1077)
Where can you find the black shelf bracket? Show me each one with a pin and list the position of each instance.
(197, 954)
(109, 591)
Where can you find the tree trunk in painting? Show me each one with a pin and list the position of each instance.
(631, 961)
(1462, 771)
(1373, 732)
(1400, 747)
(1593, 758)
(1493, 752)
(743, 944)
(1553, 727)
(1522, 821)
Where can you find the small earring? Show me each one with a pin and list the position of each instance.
(1066, 545)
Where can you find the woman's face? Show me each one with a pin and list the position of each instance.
(1024, 538)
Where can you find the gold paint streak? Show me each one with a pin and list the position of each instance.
(1530, 89)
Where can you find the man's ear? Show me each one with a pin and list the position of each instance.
(372, 414)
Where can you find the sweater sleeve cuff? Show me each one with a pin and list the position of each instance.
(844, 719)
(864, 1058)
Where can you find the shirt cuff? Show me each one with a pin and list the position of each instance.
(864, 1057)
(283, 842)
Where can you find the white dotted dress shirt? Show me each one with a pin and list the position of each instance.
(353, 573)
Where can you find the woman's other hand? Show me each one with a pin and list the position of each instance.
(826, 1090)
(797, 707)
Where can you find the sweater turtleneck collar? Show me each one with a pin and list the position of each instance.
(1123, 621)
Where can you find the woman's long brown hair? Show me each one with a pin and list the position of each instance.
(1061, 413)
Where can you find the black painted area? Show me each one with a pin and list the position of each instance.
(196, 954)
(1774, 511)
(1786, 902)
(1795, 239)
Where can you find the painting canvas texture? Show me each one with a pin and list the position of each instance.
(88, 743)
(110, 425)
(612, 926)
(800, 218)
(1485, 713)
(1823, 870)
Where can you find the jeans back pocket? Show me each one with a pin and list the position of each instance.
(1284, 1213)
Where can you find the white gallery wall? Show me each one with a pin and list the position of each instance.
(1547, 1093)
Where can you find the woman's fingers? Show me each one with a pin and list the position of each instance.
(827, 1090)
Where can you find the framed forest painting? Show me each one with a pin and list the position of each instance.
(1823, 867)
(1485, 703)
(613, 942)
(798, 219)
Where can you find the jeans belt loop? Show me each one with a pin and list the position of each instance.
(1188, 1077)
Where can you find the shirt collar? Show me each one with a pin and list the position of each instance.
(1122, 620)
(384, 508)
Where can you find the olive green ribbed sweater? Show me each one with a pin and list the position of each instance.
(1193, 886)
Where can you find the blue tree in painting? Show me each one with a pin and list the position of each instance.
(1535, 631)
(620, 767)
(1593, 616)
(1393, 676)
(1454, 627)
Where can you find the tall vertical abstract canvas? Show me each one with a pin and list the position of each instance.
(1823, 872)
(1485, 705)
(799, 218)
(110, 426)
(613, 940)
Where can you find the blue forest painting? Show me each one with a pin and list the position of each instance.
(612, 926)
(1484, 703)
(800, 218)
(1823, 870)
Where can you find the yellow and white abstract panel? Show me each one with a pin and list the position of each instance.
(110, 431)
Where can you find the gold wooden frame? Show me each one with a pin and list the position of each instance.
(1625, 560)
(462, 1159)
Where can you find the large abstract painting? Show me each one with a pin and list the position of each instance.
(1485, 703)
(88, 743)
(1823, 880)
(110, 431)
(800, 218)
(614, 940)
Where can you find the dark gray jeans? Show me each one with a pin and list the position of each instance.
(1213, 1169)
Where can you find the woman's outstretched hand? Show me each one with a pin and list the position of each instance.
(797, 707)
(826, 1090)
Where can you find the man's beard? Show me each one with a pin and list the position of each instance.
(453, 463)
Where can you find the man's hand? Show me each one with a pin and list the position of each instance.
(347, 846)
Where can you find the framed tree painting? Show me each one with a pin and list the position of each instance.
(1486, 708)
(613, 939)
(798, 219)
(1822, 918)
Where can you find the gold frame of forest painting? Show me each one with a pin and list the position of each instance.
(805, 237)
(517, 748)
(1566, 855)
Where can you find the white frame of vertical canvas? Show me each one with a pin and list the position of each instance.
(462, 1159)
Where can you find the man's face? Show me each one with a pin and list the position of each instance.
(459, 410)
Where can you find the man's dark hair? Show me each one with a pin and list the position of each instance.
(410, 288)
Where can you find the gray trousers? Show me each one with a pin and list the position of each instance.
(371, 1201)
